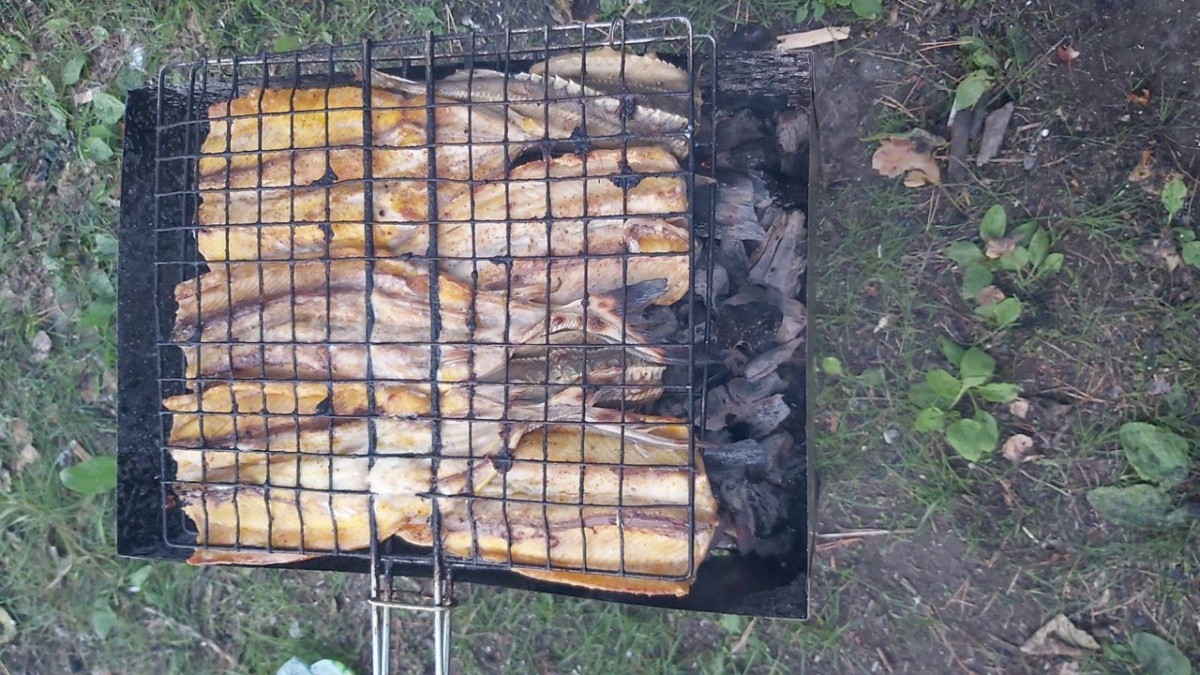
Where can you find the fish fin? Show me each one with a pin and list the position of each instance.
(394, 83)
(606, 582)
(628, 301)
(216, 557)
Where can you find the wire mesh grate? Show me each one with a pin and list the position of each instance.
(399, 295)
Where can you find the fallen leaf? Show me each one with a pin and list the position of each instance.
(1069, 668)
(1066, 55)
(909, 156)
(998, 248)
(86, 383)
(18, 432)
(1158, 386)
(28, 456)
(1163, 251)
(41, 346)
(1019, 408)
(829, 421)
(1016, 448)
(1142, 171)
(1059, 637)
(989, 295)
(1140, 98)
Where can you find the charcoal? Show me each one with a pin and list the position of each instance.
(769, 360)
(720, 279)
(777, 263)
(754, 409)
(794, 320)
(736, 217)
(752, 325)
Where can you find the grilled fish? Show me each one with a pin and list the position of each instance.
(635, 201)
(557, 109)
(634, 519)
(297, 156)
(657, 83)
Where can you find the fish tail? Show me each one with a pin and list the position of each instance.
(394, 83)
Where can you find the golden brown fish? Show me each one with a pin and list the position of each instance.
(296, 156)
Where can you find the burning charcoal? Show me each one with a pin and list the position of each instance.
(777, 263)
(795, 318)
(771, 359)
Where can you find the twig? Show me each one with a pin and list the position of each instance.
(841, 543)
(884, 660)
(850, 534)
(191, 632)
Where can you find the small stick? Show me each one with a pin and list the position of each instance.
(741, 643)
(829, 536)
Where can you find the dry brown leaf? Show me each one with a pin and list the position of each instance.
(1140, 98)
(41, 346)
(1142, 171)
(18, 432)
(1059, 637)
(1066, 55)
(1069, 668)
(1163, 251)
(897, 156)
(988, 295)
(79, 451)
(1158, 386)
(1019, 408)
(1016, 448)
(28, 456)
(997, 248)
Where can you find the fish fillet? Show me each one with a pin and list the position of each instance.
(297, 156)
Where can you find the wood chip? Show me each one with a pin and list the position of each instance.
(993, 134)
(960, 143)
(795, 318)
(777, 263)
(770, 360)
(812, 38)
(735, 215)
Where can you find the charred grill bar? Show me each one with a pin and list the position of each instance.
(468, 308)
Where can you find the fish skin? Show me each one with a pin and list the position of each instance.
(234, 302)
(558, 109)
(662, 85)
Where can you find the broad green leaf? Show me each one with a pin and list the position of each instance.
(922, 395)
(964, 253)
(294, 666)
(1183, 234)
(990, 428)
(1159, 657)
(732, 623)
(930, 420)
(57, 25)
(867, 9)
(1002, 314)
(802, 11)
(970, 439)
(1024, 232)
(1020, 44)
(1138, 506)
(91, 477)
(976, 277)
(1039, 246)
(872, 377)
(971, 88)
(977, 366)
(831, 366)
(104, 246)
(951, 350)
(108, 108)
(943, 384)
(96, 149)
(1173, 194)
(843, 3)
(994, 223)
(998, 392)
(1015, 261)
(1053, 264)
(103, 619)
(99, 313)
(73, 69)
(1157, 455)
(981, 58)
(1191, 253)
(818, 11)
